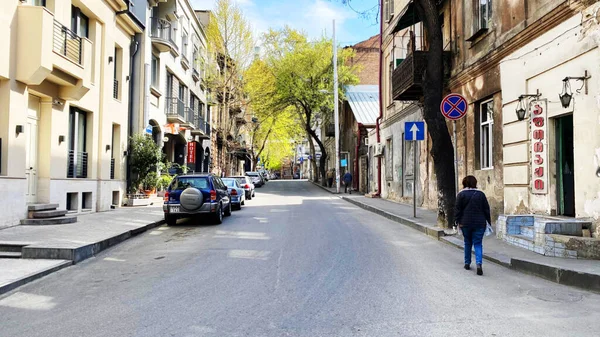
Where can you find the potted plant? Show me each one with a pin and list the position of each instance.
(163, 183)
(149, 183)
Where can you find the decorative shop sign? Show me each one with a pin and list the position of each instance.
(191, 152)
(539, 148)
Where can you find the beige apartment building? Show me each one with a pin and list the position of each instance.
(64, 79)
(176, 110)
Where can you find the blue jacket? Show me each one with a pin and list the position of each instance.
(347, 177)
(472, 209)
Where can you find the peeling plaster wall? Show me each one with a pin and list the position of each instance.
(560, 53)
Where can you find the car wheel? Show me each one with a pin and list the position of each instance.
(218, 217)
(228, 210)
(171, 220)
(242, 203)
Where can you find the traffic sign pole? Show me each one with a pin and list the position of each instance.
(455, 159)
(454, 107)
(416, 148)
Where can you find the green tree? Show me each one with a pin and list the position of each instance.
(145, 156)
(231, 48)
(300, 76)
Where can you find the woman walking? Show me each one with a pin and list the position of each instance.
(472, 213)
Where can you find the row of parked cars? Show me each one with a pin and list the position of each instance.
(206, 194)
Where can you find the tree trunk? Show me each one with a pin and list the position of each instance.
(313, 134)
(313, 154)
(442, 150)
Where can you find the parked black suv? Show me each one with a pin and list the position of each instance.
(196, 194)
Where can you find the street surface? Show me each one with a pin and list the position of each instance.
(295, 261)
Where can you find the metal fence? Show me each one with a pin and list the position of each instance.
(77, 165)
(116, 89)
(67, 43)
(112, 168)
(175, 107)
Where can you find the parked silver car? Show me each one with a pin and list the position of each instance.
(246, 183)
(236, 192)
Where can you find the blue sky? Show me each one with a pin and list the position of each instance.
(312, 16)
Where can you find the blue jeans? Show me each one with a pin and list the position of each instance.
(473, 237)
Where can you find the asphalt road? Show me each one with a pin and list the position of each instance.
(295, 261)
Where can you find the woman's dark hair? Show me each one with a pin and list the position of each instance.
(469, 182)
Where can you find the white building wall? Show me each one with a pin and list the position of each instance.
(541, 65)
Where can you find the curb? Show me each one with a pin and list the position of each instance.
(434, 232)
(73, 256)
(582, 280)
(32, 277)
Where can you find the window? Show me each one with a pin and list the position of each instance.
(38, 3)
(154, 69)
(77, 156)
(388, 6)
(389, 159)
(483, 15)
(184, 42)
(117, 72)
(486, 123)
(79, 22)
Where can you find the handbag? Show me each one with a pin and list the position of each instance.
(489, 230)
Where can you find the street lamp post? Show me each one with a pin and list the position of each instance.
(335, 115)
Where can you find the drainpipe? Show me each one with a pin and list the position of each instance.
(381, 9)
(359, 126)
(133, 85)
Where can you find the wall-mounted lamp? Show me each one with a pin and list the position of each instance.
(58, 102)
(61, 139)
(125, 153)
(522, 106)
(127, 77)
(107, 148)
(110, 59)
(19, 129)
(567, 94)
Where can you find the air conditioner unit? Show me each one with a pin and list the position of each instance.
(378, 151)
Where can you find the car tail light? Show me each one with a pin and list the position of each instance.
(166, 198)
(213, 195)
(246, 186)
(233, 192)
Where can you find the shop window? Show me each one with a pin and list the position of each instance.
(486, 144)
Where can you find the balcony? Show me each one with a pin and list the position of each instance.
(407, 78)
(162, 35)
(201, 127)
(49, 51)
(190, 116)
(175, 110)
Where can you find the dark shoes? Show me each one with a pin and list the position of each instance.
(479, 270)
(467, 267)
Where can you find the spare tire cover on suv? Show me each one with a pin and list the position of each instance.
(191, 199)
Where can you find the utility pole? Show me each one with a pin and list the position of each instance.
(335, 113)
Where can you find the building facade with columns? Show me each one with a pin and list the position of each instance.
(64, 99)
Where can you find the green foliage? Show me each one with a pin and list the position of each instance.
(145, 156)
(150, 182)
(164, 181)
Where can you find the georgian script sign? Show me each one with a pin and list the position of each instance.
(539, 148)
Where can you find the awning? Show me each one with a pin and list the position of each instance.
(364, 102)
(406, 18)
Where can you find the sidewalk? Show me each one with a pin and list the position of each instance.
(572, 272)
(49, 248)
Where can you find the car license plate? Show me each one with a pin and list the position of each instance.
(175, 209)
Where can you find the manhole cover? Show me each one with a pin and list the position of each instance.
(554, 295)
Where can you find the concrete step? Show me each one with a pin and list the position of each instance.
(47, 214)
(52, 221)
(10, 255)
(11, 247)
(42, 207)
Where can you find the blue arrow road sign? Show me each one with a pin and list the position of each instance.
(149, 129)
(414, 130)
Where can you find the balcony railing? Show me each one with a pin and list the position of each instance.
(112, 168)
(190, 115)
(162, 29)
(407, 78)
(67, 43)
(175, 107)
(77, 164)
(116, 89)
